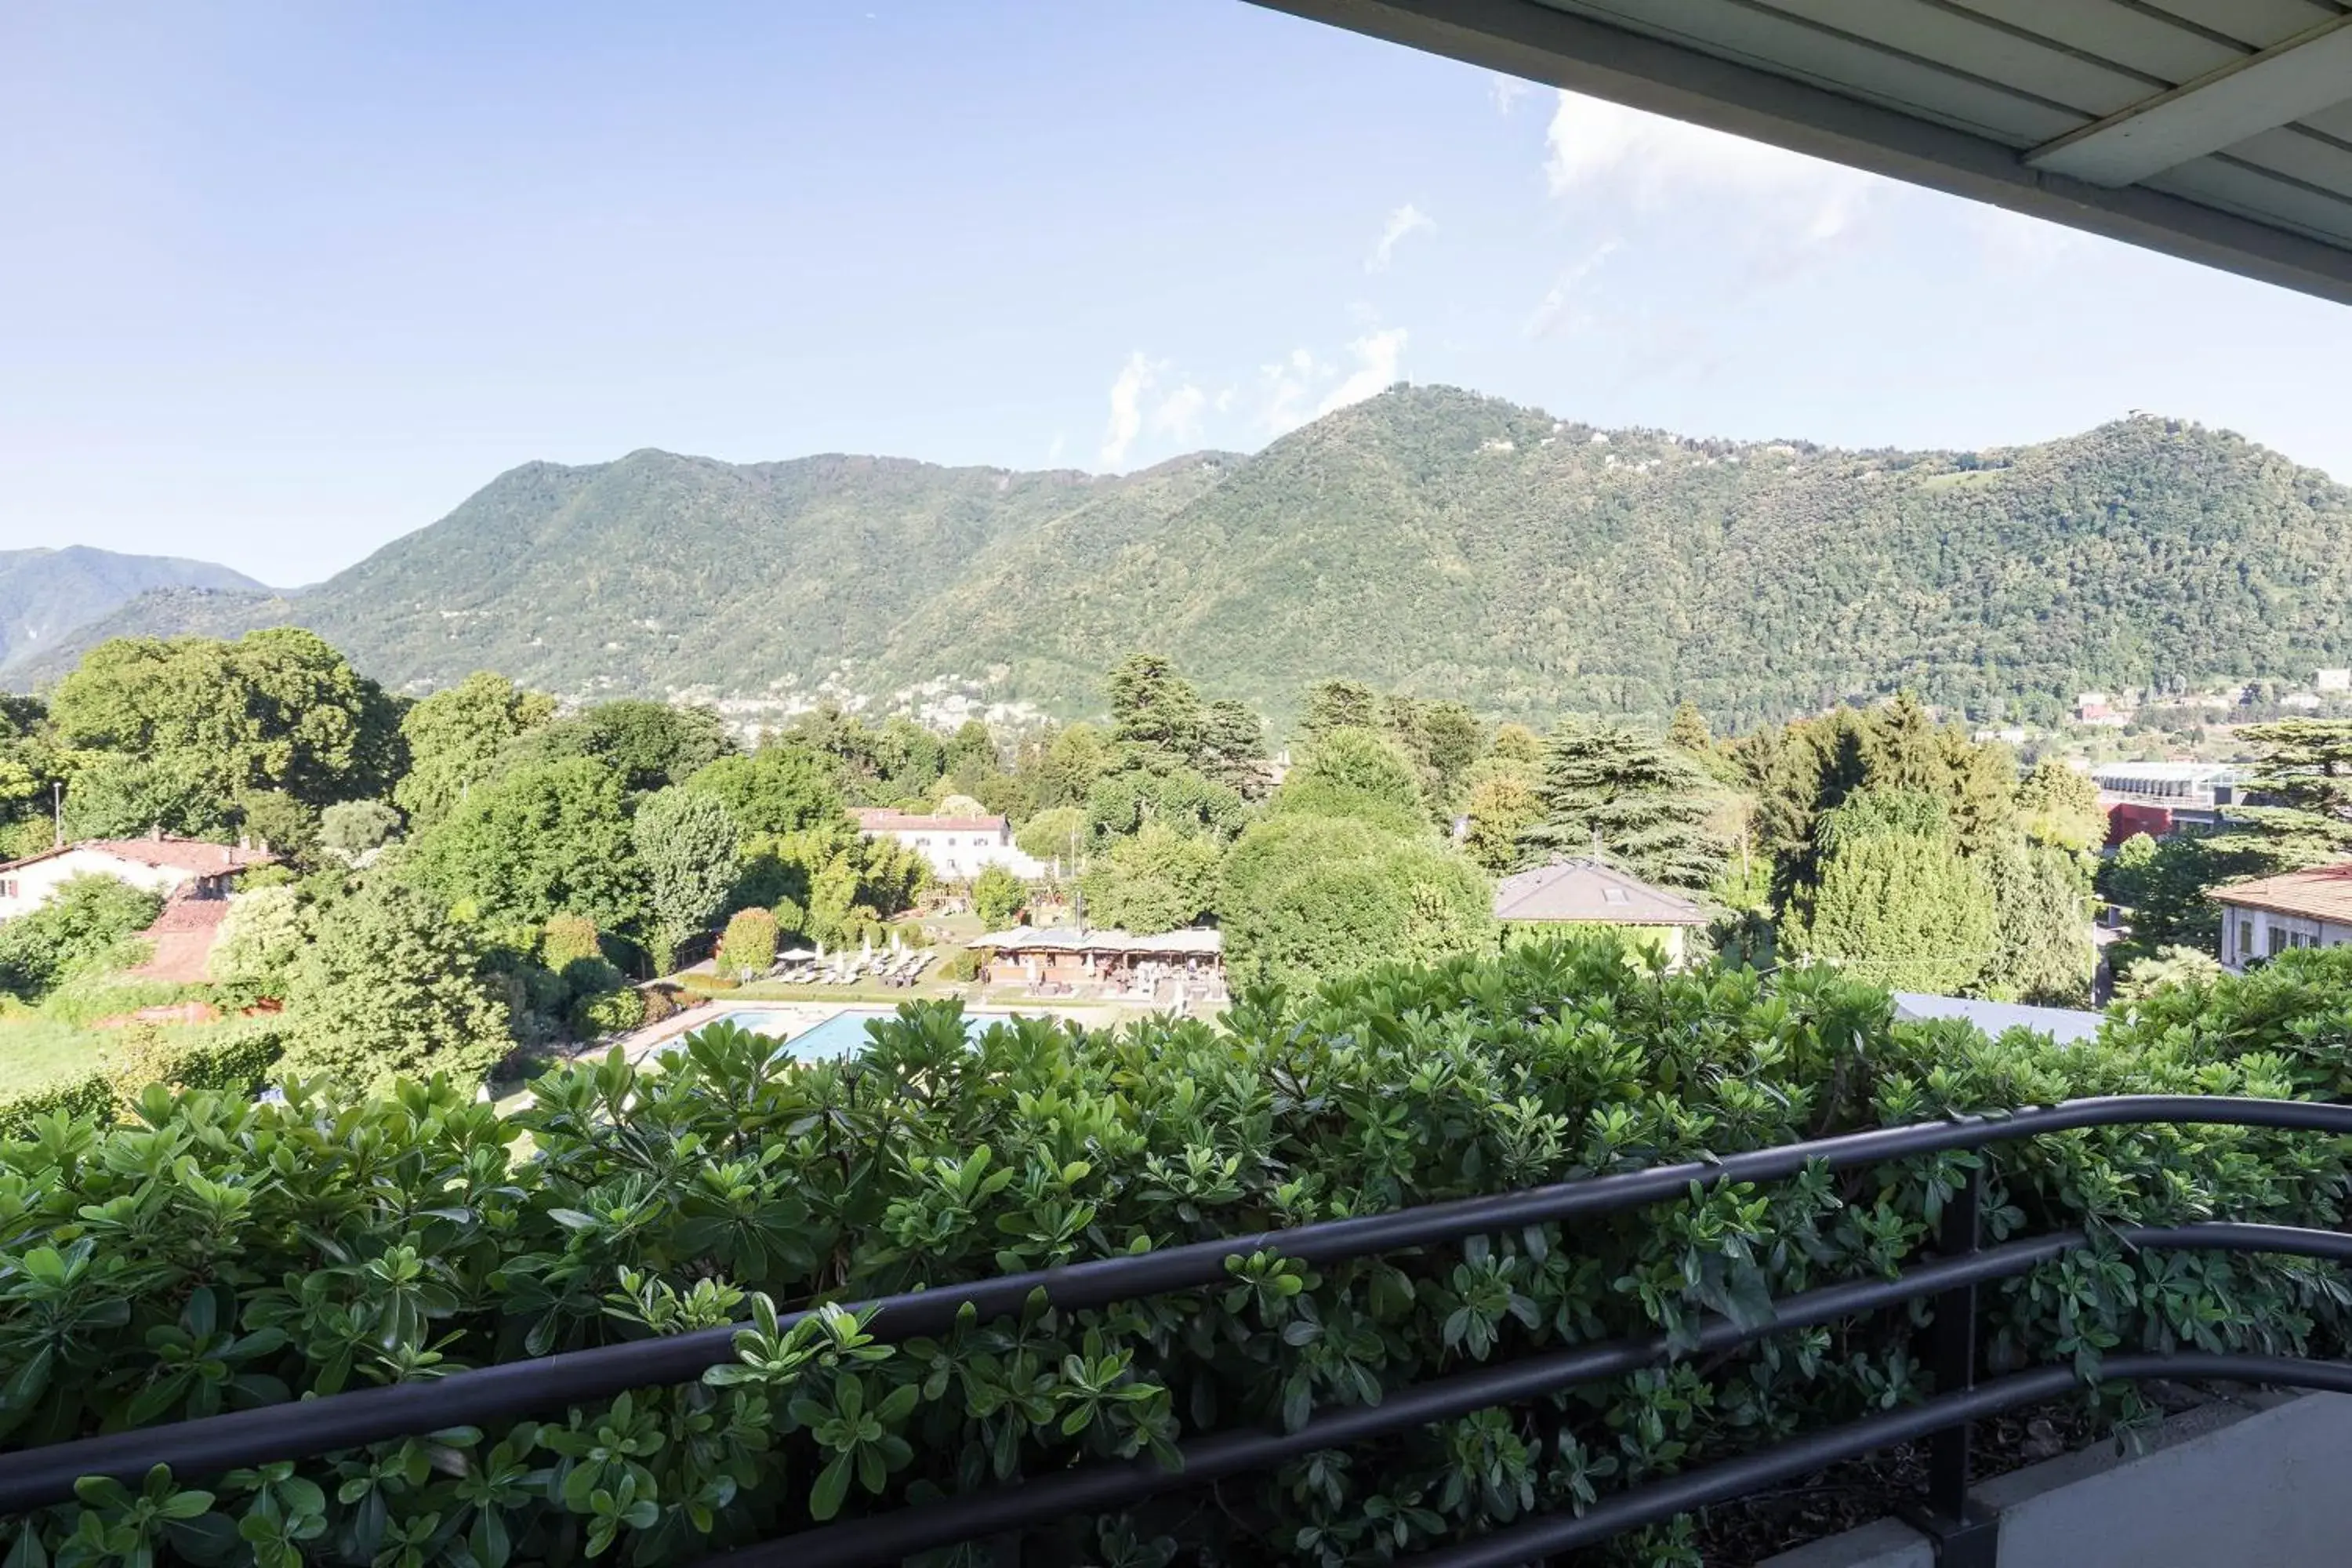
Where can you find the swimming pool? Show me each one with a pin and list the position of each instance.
(840, 1035)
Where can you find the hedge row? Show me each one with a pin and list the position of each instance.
(226, 1254)
(234, 1058)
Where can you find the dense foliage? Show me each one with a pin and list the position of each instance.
(85, 924)
(1611, 791)
(1458, 546)
(160, 1269)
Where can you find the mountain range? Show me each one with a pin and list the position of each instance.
(47, 595)
(1426, 539)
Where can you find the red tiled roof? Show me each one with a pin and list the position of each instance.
(877, 819)
(2322, 892)
(183, 935)
(192, 855)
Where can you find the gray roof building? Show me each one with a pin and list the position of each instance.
(1590, 893)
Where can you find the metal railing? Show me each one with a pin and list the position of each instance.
(204, 1448)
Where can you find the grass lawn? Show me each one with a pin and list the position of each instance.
(36, 1052)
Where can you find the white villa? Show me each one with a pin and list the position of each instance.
(2266, 917)
(184, 867)
(959, 847)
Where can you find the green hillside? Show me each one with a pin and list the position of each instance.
(1428, 540)
(48, 596)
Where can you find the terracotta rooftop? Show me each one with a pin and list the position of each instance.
(182, 935)
(876, 819)
(2321, 892)
(1587, 891)
(163, 851)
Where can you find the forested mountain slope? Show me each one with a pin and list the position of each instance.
(1427, 540)
(46, 595)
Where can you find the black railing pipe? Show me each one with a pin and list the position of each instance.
(1670, 1495)
(889, 1537)
(511, 1390)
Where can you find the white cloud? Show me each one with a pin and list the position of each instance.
(1407, 219)
(1134, 379)
(1376, 368)
(1053, 453)
(1285, 386)
(1506, 92)
(1558, 307)
(1594, 146)
(1179, 413)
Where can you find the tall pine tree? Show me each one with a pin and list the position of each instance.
(1642, 804)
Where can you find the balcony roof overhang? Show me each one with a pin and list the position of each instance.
(2219, 130)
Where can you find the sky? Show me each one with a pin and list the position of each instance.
(281, 282)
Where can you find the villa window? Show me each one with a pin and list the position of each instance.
(1614, 896)
(2245, 939)
(7, 887)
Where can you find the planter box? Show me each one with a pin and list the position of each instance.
(2254, 1480)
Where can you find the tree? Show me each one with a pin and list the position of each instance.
(567, 940)
(390, 986)
(997, 897)
(1442, 739)
(261, 945)
(782, 787)
(1642, 805)
(1069, 765)
(1897, 903)
(1500, 810)
(2184, 968)
(455, 738)
(549, 838)
(275, 709)
(1155, 709)
(1139, 791)
(1338, 705)
(2041, 950)
(1515, 743)
(1687, 731)
(748, 946)
(1158, 880)
(1304, 899)
(690, 849)
(650, 745)
(122, 795)
(84, 924)
(1058, 836)
(275, 820)
(1356, 773)
(2059, 806)
(350, 828)
(1233, 748)
(2306, 766)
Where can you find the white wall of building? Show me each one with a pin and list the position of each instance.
(2249, 934)
(960, 854)
(26, 888)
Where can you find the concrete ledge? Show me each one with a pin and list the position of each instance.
(1887, 1543)
(2253, 1481)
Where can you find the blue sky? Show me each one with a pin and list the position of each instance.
(284, 282)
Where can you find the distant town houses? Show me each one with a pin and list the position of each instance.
(2160, 798)
(177, 868)
(2266, 917)
(957, 847)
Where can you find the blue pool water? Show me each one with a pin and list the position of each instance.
(841, 1035)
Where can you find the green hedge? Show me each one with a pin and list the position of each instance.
(233, 1059)
(232, 1253)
